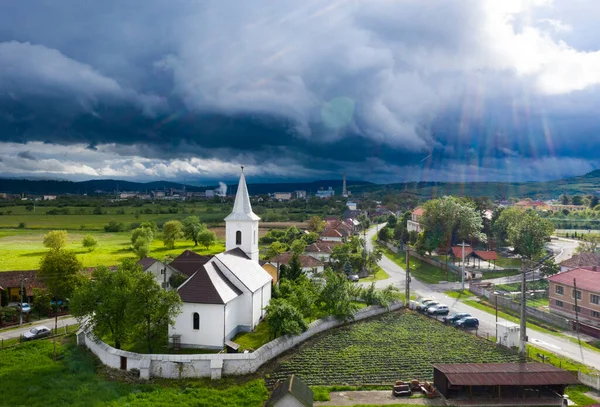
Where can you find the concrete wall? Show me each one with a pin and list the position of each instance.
(589, 380)
(531, 312)
(212, 365)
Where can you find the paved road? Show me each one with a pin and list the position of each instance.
(487, 322)
(15, 333)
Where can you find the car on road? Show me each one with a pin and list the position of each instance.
(37, 332)
(455, 316)
(353, 277)
(424, 307)
(439, 309)
(467, 323)
(423, 303)
(24, 307)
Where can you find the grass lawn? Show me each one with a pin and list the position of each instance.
(254, 340)
(501, 273)
(578, 396)
(420, 270)
(507, 262)
(380, 274)
(30, 377)
(557, 360)
(23, 249)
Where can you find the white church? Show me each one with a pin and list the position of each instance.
(225, 294)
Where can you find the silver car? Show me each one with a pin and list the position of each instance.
(37, 332)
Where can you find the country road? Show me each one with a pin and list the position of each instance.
(487, 322)
(16, 332)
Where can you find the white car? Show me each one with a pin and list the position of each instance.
(439, 309)
(37, 332)
(25, 306)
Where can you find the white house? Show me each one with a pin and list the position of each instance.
(320, 250)
(413, 225)
(227, 293)
(162, 272)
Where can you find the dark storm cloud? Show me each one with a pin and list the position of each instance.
(26, 155)
(389, 89)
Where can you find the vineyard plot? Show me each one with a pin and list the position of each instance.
(395, 346)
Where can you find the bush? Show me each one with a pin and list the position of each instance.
(21, 225)
(114, 226)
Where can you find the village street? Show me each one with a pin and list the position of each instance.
(16, 332)
(487, 322)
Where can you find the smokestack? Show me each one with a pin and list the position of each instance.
(344, 191)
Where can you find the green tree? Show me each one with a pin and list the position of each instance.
(55, 239)
(89, 242)
(549, 268)
(106, 301)
(275, 249)
(283, 318)
(528, 235)
(335, 298)
(589, 243)
(502, 220)
(172, 230)
(177, 279)
(60, 271)
(564, 199)
(316, 224)
(392, 220)
(153, 307)
(298, 246)
(41, 301)
(206, 238)
(576, 200)
(293, 270)
(141, 247)
(144, 232)
(594, 200)
(385, 234)
(302, 294)
(192, 227)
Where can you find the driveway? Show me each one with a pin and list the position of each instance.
(487, 322)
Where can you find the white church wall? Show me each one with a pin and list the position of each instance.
(209, 335)
(234, 321)
(266, 297)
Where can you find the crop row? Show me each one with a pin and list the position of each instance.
(379, 351)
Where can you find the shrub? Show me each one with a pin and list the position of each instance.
(114, 226)
(21, 225)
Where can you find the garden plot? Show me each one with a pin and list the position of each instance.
(395, 346)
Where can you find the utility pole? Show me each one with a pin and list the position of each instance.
(576, 310)
(523, 339)
(21, 304)
(407, 293)
(463, 266)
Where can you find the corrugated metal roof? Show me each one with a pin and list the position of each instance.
(485, 254)
(457, 251)
(505, 374)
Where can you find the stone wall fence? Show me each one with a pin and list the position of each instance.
(211, 365)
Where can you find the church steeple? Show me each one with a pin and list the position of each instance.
(242, 224)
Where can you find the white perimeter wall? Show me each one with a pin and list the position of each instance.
(212, 365)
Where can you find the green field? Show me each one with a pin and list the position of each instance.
(23, 249)
(420, 270)
(396, 346)
(30, 377)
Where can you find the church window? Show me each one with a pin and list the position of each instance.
(196, 321)
(238, 237)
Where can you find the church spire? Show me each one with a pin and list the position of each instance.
(242, 209)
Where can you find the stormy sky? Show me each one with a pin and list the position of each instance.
(386, 90)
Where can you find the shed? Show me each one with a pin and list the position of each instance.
(293, 392)
(501, 383)
(488, 256)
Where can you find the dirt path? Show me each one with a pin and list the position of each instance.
(377, 397)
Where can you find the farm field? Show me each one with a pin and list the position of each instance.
(30, 377)
(397, 346)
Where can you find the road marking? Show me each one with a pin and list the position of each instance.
(542, 343)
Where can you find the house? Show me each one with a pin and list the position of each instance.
(300, 194)
(413, 225)
(271, 269)
(309, 264)
(282, 196)
(321, 249)
(49, 197)
(529, 204)
(227, 293)
(562, 295)
(293, 392)
(571, 208)
(331, 235)
(351, 205)
(162, 272)
(581, 260)
(11, 282)
(325, 193)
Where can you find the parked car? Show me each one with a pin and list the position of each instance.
(37, 332)
(427, 305)
(353, 277)
(423, 303)
(455, 316)
(24, 307)
(58, 303)
(466, 323)
(440, 309)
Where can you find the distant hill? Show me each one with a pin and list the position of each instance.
(42, 187)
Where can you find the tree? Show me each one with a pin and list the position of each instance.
(293, 270)
(106, 301)
(145, 232)
(192, 227)
(316, 224)
(528, 235)
(502, 220)
(154, 307)
(177, 279)
(206, 238)
(41, 301)
(549, 268)
(590, 243)
(302, 294)
(594, 200)
(564, 199)
(172, 230)
(60, 271)
(385, 234)
(55, 239)
(576, 200)
(335, 298)
(114, 226)
(89, 242)
(283, 318)
(392, 220)
(141, 247)
(298, 246)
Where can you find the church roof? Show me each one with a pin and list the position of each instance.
(247, 271)
(242, 210)
(189, 262)
(208, 285)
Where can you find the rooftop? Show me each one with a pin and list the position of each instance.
(582, 260)
(585, 279)
(306, 261)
